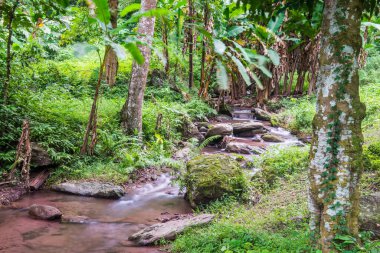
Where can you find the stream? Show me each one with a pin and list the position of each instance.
(110, 222)
(240, 115)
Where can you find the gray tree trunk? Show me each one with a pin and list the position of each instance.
(131, 115)
(336, 149)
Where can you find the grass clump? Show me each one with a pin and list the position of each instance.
(297, 114)
(278, 163)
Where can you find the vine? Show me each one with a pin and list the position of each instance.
(342, 74)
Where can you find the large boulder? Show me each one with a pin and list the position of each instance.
(272, 138)
(74, 219)
(260, 114)
(91, 189)
(246, 126)
(40, 157)
(210, 177)
(219, 129)
(370, 213)
(44, 212)
(243, 148)
(168, 230)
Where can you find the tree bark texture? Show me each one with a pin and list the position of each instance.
(91, 129)
(191, 44)
(336, 149)
(112, 63)
(131, 114)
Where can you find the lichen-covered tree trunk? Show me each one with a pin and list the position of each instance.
(131, 114)
(336, 160)
(112, 63)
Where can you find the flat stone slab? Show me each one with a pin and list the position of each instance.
(246, 126)
(243, 148)
(220, 129)
(272, 138)
(91, 189)
(74, 219)
(168, 230)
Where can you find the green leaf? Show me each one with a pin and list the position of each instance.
(243, 52)
(242, 70)
(264, 70)
(276, 22)
(221, 76)
(234, 31)
(81, 49)
(370, 24)
(274, 57)
(130, 8)
(119, 50)
(219, 47)
(135, 52)
(102, 11)
(257, 80)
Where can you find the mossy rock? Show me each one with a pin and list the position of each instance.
(211, 177)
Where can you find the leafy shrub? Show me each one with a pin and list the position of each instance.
(297, 114)
(231, 237)
(278, 163)
(372, 157)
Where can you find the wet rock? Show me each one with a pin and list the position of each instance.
(252, 133)
(220, 129)
(223, 118)
(260, 114)
(209, 177)
(183, 154)
(256, 139)
(74, 219)
(190, 130)
(202, 124)
(44, 212)
(242, 148)
(203, 129)
(225, 109)
(91, 189)
(168, 230)
(272, 138)
(246, 126)
(40, 157)
(370, 213)
(305, 139)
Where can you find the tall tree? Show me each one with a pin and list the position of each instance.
(190, 38)
(112, 63)
(336, 150)
(131, 114)
(11, 17)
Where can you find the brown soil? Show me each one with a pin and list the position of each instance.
(10, 193)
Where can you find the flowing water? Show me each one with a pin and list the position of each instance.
(240, 115)
(109, 225)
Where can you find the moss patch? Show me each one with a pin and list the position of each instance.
(210, 177)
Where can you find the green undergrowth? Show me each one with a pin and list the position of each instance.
(278, 222)
(57, 104)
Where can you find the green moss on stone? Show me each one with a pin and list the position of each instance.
(211, 177)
